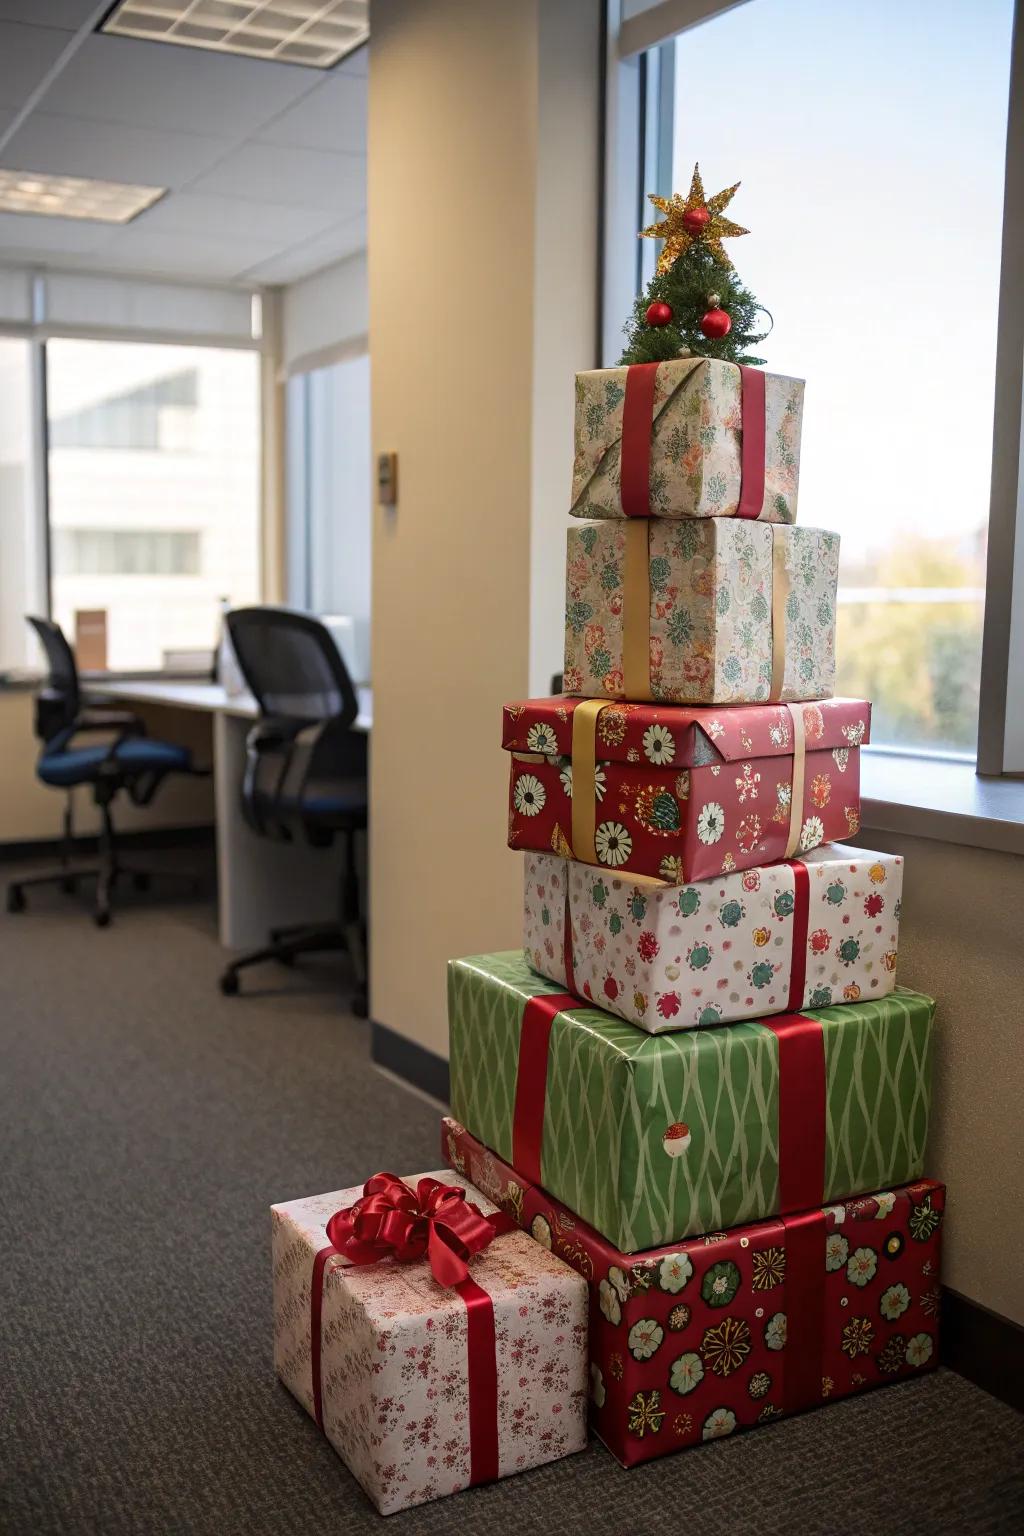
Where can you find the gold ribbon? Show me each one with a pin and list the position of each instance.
(584, 782)
(780, 596)
(584, 779)
(636, 611)
(796, 799)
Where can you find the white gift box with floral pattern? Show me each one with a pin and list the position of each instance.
(712, 611)
(394, 1373)
(673, 957)
(695, 449)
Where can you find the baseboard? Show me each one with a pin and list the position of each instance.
(414, 1063)
(84, 847)
(983, 1346)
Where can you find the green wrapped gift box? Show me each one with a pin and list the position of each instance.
(652, 1138)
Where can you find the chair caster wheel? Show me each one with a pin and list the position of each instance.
(360, 1005)
(102, 919)
(140, 882)
(229, 984)
(15, 898)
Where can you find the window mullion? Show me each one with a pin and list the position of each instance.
(1001, 713)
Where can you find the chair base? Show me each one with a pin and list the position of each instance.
(106, 877)
(287, 944)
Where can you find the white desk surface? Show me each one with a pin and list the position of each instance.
(210, 698)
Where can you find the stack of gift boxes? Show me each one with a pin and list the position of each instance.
(699, 1084)
(690, 1115)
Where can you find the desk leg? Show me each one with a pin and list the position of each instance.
(262, 884)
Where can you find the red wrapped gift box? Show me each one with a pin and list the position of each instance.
(730, 1330)
(682, 793)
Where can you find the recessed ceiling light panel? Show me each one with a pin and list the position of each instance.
(313, 32)
(74, 197)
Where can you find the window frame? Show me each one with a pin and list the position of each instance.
(639, 91)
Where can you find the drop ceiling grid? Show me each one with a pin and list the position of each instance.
(131, 129)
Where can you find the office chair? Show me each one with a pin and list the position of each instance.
(130, 761)
(305, 771)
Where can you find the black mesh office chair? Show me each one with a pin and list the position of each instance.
(128, 760)
(305, 770)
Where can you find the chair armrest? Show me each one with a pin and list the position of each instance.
(122, 723)
(110, 720)
(277, 749)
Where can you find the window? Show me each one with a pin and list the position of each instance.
(22, 538)
(329, 498)
(151, 416)
(875, 214)
(154, 491)
(126, 552)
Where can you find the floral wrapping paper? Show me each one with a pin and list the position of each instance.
(710, 616)
(394, 1378)
(686, 793)
(695, 442)
(690, 1343)
(674, 957)
(651, 1138)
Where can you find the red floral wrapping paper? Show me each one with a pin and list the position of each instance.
(394, 1371)
(681, 792)
(692, 1342)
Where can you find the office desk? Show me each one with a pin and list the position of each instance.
(261, 884)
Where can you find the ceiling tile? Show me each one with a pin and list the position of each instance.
(156, 85)
(26, 53)
(68, 15)
(334, 245)
(357, 63)
(332, 117)
(41, 237)
(71, 146)
(203, 213)
(308, 178)
(135, 249)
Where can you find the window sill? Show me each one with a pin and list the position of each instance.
(942, 800)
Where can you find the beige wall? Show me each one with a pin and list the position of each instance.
(30, 811)
(455, 98)
(960, 941)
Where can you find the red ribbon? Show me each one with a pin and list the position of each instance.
(801, 913)
(752, 443)
(635, 451)
(532, 1080)
(436, 1221)
(801, 1110)
(570, 970)
(635, 448)
(805, 1310)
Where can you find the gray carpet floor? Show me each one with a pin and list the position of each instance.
(146, 1124)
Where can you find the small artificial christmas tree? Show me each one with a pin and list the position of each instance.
(695, 305)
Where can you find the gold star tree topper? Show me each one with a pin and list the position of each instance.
(684, 224)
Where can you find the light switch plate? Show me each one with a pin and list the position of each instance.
(387, 479)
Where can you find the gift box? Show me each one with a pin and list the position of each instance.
(426, 1385)
(680, 793)
(689, 438)
(802, 934)
(729, 1331)
(721, 611)
(651, 1138)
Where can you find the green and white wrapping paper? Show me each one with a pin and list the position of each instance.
(652, 1138)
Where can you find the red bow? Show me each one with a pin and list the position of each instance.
(393, 1221)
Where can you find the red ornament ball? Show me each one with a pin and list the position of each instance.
(695, 221)
(658, 314)
(716, 324)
